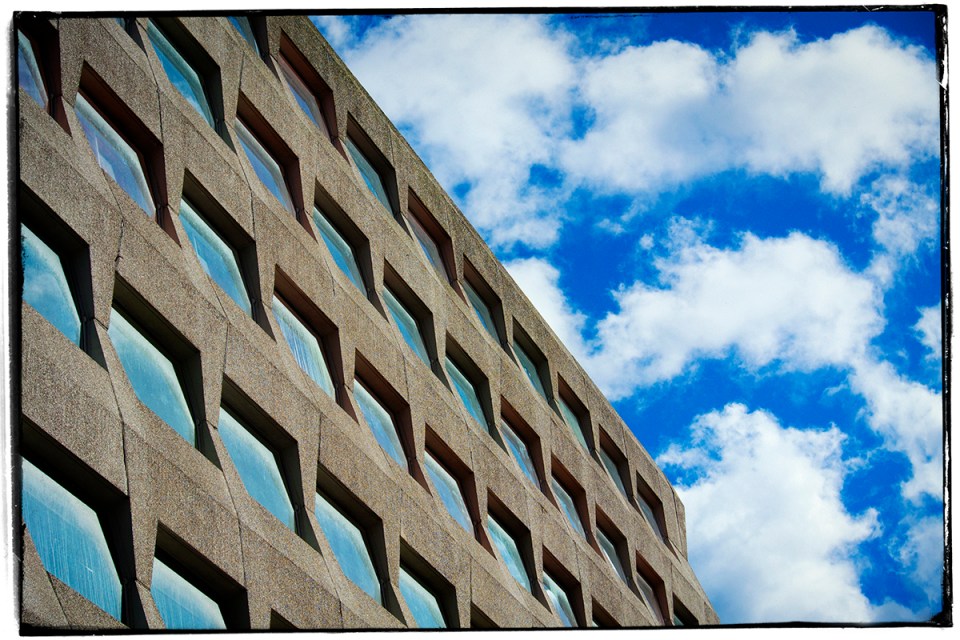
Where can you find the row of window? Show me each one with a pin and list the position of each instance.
(154, 378)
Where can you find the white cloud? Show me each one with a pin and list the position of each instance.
(335, 29)
(453, 82)
(671, 112)
(540, 281)
(769, 536)
(929, 331)
(921, 552)
(786, 300)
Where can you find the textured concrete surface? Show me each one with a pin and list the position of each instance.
(161, 495)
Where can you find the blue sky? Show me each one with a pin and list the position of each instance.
(732, 220)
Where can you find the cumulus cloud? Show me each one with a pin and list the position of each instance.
(770, 538)
(480, 120)
(921, 551)
(929, 331)
(670, 112)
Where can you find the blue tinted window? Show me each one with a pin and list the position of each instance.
(369, 174)
(611, 468)
(349, 547)
(266, 168)
(45, 285)
(421, 601)
(242, 24)
(610, 551)
(258, 467)
(448, 489)
(430, 249)
(304, 346)
(559, 601)
(649, 597)
(152, 376)
(181, 75)
(482, 310)
(28, 70)
(409, 328)
(339, 248)
(114, 155)
(182, 605)
(648, 514)
(509, 552)
(529, 368)
(565, 500)
(69, 539)
(381, 423)
(467, 392)
(302, 94)
(521, 453)
(572, 421)
(216, 257)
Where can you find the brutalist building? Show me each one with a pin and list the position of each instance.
(270, 376)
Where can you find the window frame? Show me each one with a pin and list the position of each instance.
(283, 161)
(606, 529)
(206, 71)
(357, 139)
(511, 525)
(475, 285)
(323, 337)
(646, 496)
(38, 61)
(455, 360)
(618, 461)
(646, 577)
(411, 305)
(290, 59)
(72, 300)
(346, 239)
(566, 397)
(419, 221)
(536, 358)
(440, 462)
(510, 419)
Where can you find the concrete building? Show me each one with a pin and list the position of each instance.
(271, 377)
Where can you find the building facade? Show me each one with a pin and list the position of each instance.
(271, 377)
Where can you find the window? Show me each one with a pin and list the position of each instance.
(181, 604)
(267, 169)
(572, 421)
(449, 491)
(341, 250)
(70, 540)
(568, 506)
(482, 309)
(381, 423)
(114, 155)
(529, 368)
(650, 514)
(302, 94)
(609, 550)
(242, 24)
(409, 328)
(45, 286)
(216, 257)
(152, 376)
(258, 468)
(349, 546)
(370, 175)
(181, 75)
(430, 248)
(422, 602)
(304, 346)
(28, 70)
(613, 471)
(649, 596)
(520, 451)
(467, 392)
(509, 551)
(559, 601)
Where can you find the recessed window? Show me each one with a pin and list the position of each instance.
(521, 452)
(467, 392)
(242, 25)
(45, 285)
(304, 345)
(509, 551)
(152, 375)
(609, 550)
(572, 421)
(482, 309)
(431, 249)
(650, 508)
(70, 540)
(568, 506)
(180, 603)
(559, 601)
(422, 602)
(115, 155)
(529, 368)
(28, 70)
(381, 423)
(216, 257)
(408, 325)
(371, 177)
(181, 74)
(341, 250)
(268, 170)
(613, 471)
(649, 596)
(302, 94)
(258, 467)
(349, 546)
(449, 491)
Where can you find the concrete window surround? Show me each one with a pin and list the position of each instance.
(185, 79)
